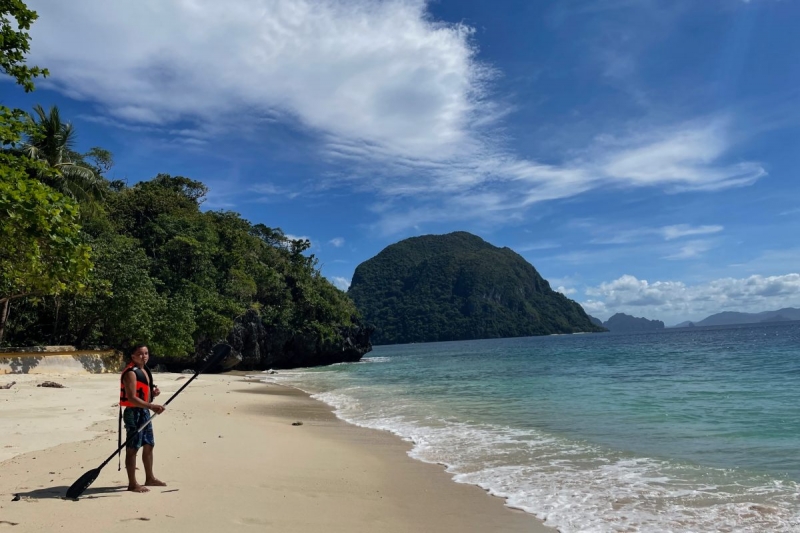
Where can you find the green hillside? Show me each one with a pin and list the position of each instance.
(457, 287)
(90, 260)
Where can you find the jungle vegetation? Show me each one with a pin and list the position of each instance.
(87, 260)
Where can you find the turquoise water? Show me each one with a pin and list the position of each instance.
(680, 430)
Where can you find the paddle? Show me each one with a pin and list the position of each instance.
(218, 354)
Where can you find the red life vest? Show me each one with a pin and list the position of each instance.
(144, 385)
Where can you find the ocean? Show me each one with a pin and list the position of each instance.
(688, 430)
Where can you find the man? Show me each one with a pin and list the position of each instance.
(136, 395)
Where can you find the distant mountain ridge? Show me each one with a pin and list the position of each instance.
(621, 322)
(458, 287)
(731, 318)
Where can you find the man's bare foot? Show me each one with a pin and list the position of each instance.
(138, 488)
(155, 483)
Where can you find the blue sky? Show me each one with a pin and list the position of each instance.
(641, 154)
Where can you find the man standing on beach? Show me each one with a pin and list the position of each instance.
(136, 394)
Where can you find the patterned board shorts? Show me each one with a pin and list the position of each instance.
(133, 418)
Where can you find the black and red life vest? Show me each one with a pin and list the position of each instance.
(144, 385)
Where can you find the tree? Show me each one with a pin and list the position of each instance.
(15, 21)
(100, 159)
(52, 141)
(122, 306)
(42, 253)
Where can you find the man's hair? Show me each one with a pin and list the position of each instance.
(136, 349)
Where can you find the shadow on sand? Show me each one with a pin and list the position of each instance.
(58, 493)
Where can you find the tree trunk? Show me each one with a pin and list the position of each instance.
(4, 318)
(53, 339)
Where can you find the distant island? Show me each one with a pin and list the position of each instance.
(458, 287)
(621, 323)
(732, 318)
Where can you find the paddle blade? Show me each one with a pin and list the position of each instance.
(77, 488)
(219, 353)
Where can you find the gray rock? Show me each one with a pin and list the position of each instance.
(51, 384)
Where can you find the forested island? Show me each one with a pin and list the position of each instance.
(458, 287)
(622, 323)
(90, 261)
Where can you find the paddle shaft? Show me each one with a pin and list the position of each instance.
(150, 421)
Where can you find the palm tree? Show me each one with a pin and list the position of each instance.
(52, 141)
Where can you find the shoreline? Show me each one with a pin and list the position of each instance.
(231, 457)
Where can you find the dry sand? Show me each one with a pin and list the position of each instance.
(232, 461)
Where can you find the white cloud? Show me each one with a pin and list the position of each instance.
(534, 246)
(686, 157)
(566, 291)
(337, 242)
(362, 73)
(691, 250)
(667, 233)
(267, 189)
(495, 186)
(398, 99)
(677, 301)
(685, 230)
(341, 283)
(269, 192)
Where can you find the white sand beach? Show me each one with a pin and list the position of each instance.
(232, 460)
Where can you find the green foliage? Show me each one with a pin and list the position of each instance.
(99, 159)
(165, 273)
(456, 287)
(42, 252)
(173, 276)
(12, 126)
(15, 21)
(123, 304)
(174, 333)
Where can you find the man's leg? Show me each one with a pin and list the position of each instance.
(147, 458)
(132, 419)
(130, 467)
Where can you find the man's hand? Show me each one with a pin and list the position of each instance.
(156, 392)
(158, 408)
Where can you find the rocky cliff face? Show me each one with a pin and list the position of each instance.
(260, 347)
